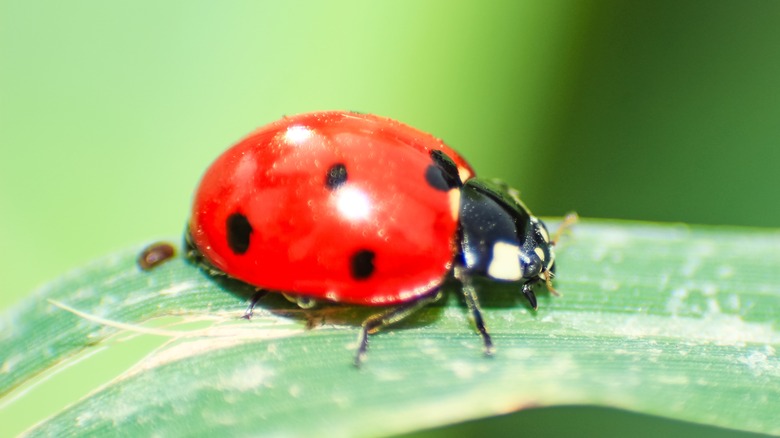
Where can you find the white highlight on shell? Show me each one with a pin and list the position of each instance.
(515, 195)
(505, 263)
(353, 203)
(297, 134)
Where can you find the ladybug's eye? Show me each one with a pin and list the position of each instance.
(336, 176)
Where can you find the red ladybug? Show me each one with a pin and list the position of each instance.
(356, 208)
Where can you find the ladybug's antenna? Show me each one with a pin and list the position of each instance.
(568, 221)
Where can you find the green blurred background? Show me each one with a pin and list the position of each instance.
(110, 111)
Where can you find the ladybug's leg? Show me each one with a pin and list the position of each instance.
(250, 309)
(528, 291)
(375, 322)
(470, 294)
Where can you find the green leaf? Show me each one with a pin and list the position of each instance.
(669, 320)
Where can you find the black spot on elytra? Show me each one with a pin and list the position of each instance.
(443, 173)
(362, 264)
(336, 176)
(238, 232)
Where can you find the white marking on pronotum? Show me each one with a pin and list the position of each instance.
(539, 252)
(463, 174)
(454, 196)
(543, 232)
(505, 263)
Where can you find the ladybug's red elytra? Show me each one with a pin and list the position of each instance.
(355, 208)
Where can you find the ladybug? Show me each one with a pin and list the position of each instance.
(355, 208)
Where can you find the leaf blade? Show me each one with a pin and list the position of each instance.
(663, 319)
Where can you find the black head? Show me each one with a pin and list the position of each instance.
(500, 238)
